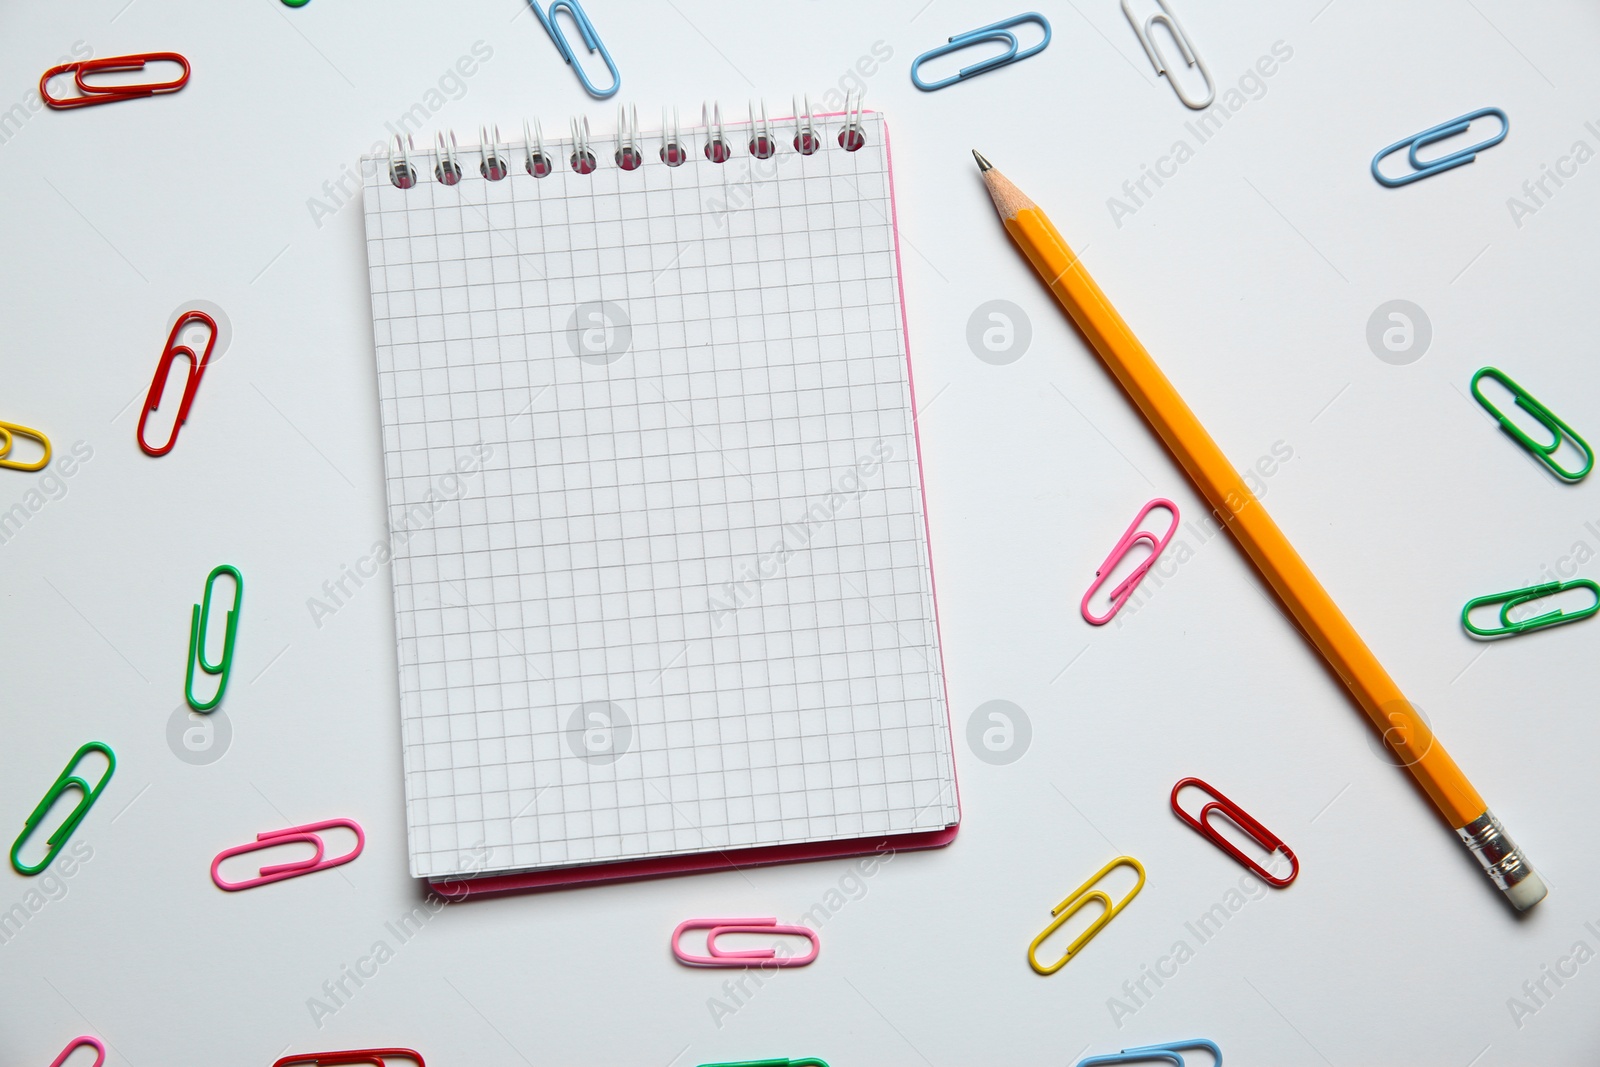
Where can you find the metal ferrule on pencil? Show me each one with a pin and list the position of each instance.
(1494, 849)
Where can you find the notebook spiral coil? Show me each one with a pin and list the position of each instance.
(497, 158)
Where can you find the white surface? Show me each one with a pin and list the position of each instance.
(688, 610)
(1251, 276)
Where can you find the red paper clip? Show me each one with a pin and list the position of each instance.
(105, 94)
(82, 1042)
(1256, 832)
(1124, 590)
(197, 367)
(277, 872)
(718, 957)
(373, 1057)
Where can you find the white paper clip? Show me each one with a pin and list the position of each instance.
(1166, 18)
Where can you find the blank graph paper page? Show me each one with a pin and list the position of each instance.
(661, 571)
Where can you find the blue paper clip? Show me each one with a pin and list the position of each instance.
(591, 39)
(1145, 1053)
(1000, 31)
(1433, 135)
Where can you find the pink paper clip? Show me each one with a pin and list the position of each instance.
(719, 957)
(277, 872)
(81, 1042)
(1134, 535)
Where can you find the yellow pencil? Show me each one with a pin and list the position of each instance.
(1404, 732)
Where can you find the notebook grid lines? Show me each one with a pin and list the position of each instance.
(596, 560)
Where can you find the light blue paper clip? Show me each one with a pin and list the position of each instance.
(1433, 135)
(591, 39)
(1145, 1053)
(1000, 31)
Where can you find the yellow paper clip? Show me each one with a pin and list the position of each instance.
(1080, 897)
(7, 430)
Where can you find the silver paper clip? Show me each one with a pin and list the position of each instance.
(1166, 18)
(1433, 135)
(591, 40)
(999, 31)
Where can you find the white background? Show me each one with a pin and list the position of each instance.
(1251, 276)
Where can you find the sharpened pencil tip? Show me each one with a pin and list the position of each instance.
(983, 164)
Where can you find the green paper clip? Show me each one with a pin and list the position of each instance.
(1543, 453)
(197, 639)
(66, 780)
(810, 1061)
(1517, 597)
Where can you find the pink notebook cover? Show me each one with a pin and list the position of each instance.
(457, 886)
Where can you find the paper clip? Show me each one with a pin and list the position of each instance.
(197, 367)
(1082, 896)
(809, 1061)
(591, 39)
(277, 872)
(1166, 18)
(1169, 1052)
(1517, 597)
(82, 1042)
(1134, 535)
(1240, 818)
(7, 430)
(1543, 453)
(718, 957)
(66, 780)
(105, 94)
(199, 619)
(1433, 134)
(999, 31)
(373, 1057)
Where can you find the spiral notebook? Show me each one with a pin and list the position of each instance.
(663, 595)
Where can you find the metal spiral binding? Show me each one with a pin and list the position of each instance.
(539, 162)
(494, 166)
(673, 154)
(448, 170)
(717, 149)
(713, 141)
(629, 156)
(582, 159)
